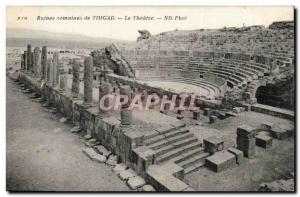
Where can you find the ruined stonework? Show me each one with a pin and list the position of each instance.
(144, 34)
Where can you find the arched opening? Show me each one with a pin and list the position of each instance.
(279, 95)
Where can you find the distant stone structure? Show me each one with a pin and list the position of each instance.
(144, 34)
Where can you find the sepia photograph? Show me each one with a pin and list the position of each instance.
(150, 99)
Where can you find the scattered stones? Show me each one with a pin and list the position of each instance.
(103, 151)
(112, 160)
(263, 141)
(148, 188)
(136, 182)
(90, 152)
(126, 174)
(278, 186)
(52, 110)
(75, 129)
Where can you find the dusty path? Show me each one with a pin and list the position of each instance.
(42, 154)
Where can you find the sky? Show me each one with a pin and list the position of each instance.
(195, 18)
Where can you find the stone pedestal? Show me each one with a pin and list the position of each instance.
(206, 112)
(246, 140)
(196, 115)
(126, 116)
(213, 144)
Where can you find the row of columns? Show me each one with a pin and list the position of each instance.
(47, 69)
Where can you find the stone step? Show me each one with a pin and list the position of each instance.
(194, 167)
(193, 160)
(187, 155)
(168, 141)
(178, 151)
(153, 138)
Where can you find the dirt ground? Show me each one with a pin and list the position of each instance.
(43, 155)
(268, 165)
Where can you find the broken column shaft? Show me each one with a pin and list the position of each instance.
(22, 61)
(88, 80)
(44, 63)
(62, 82)
(50, 71)
(55, 68)
(76, 79)
(29, 58)
(37, 61)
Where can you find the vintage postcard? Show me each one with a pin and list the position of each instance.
(150, 99)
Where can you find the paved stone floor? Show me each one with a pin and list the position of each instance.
(42, 154)
(268, 165)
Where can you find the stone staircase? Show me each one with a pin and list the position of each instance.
(178, 145)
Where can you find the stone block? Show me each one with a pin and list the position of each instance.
(119, 168)
(279, 133)
(212, 119)
(148, 188)
(112, 160)
(179, 116)
(196, 115)
(239, 155)
(90, 152)
(246, 131)
(136, 182)
(213, 144)
(99, 158)
(236, 110)
(263, 141)
(102, 150)
(220, 161)
(207, 111)
(266, 126)
(125, 175)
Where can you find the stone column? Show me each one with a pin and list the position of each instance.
(37, 61)
(29, 60)
(62, 82)
(55, 68)
(88, 80)
(76, 80)
(44, 63)
(22, 61)
(50, 71)
(25, 60)
(126, 113)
